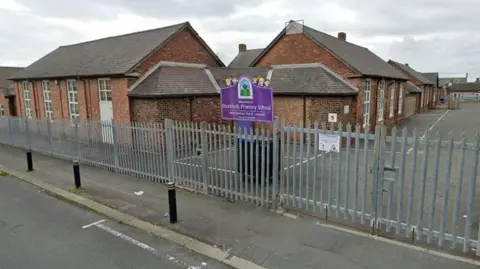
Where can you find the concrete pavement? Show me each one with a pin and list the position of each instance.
(39, 231)
(241, 230)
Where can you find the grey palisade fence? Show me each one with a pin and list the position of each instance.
(420, 184)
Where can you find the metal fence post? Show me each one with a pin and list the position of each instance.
(169, 147)
(204, 145)
(29, 142)
(375, 172)
(115, 146)
(49, 133)
(275, 153)
(10, 131)
(77, 141)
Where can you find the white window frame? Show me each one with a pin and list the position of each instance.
(381, 100)
(47, 99)
(2, 110)
(73, 99)
(392, 99)
(400, 99)
(367, 97)
(27, 99)
(105, 90)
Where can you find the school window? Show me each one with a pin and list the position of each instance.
(105, 91)
(2, 111)
(366, 102)
(47, 99)
(27, 99)
(73, 99)
(392, 98)
(381, 100)
(400, 99)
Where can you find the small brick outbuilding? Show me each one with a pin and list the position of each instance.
(190, 92)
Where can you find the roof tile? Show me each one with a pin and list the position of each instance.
(107, 56)
(411, 72)
(245, 58)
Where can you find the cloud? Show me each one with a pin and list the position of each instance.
(431, 35)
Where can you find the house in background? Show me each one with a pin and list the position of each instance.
(417, 78)
(244, 57)
(90, 80)
(190, 92)
(7, 91)
(381, 95)
(444, 81)
(466, 91)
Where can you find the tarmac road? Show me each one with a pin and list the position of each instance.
(38, 231)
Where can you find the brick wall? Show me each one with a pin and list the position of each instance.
(88, 99)
(183, 47)
(4, 104)
(196, 109)
(298, 48)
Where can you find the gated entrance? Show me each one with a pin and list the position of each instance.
(420, 185)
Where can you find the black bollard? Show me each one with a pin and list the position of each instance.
(172, 202)
(76, 174)
(29, 161)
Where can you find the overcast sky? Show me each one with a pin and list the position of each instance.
(430, 35)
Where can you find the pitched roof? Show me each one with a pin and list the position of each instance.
(412, 88)
(411, 72)
(358, 58)
(467, 86)
(432, 76)
(106, 56)
(445, 80)
(5, 73)
(174, 79)
(311, 79)
(245, 58)
(220, 74)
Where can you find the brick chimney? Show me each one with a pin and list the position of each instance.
(242, 47)
(477, 80)
(342, 36)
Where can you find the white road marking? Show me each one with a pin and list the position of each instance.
(429, 129)
(141, 245)
(304, 161)
(93, 224)
(127, 238)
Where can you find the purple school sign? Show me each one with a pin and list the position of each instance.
(247, 99)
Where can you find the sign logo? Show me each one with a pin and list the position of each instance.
(247, 99)
(245, 89)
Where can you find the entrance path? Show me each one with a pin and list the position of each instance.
(255, 234)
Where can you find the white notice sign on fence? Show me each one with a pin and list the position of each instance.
(329, 143)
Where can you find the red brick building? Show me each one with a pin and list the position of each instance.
(381, 87)
(428, 87)
(190, 92)
(7, 91)
(90, 80)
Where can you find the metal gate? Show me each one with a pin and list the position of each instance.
(421, 186)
